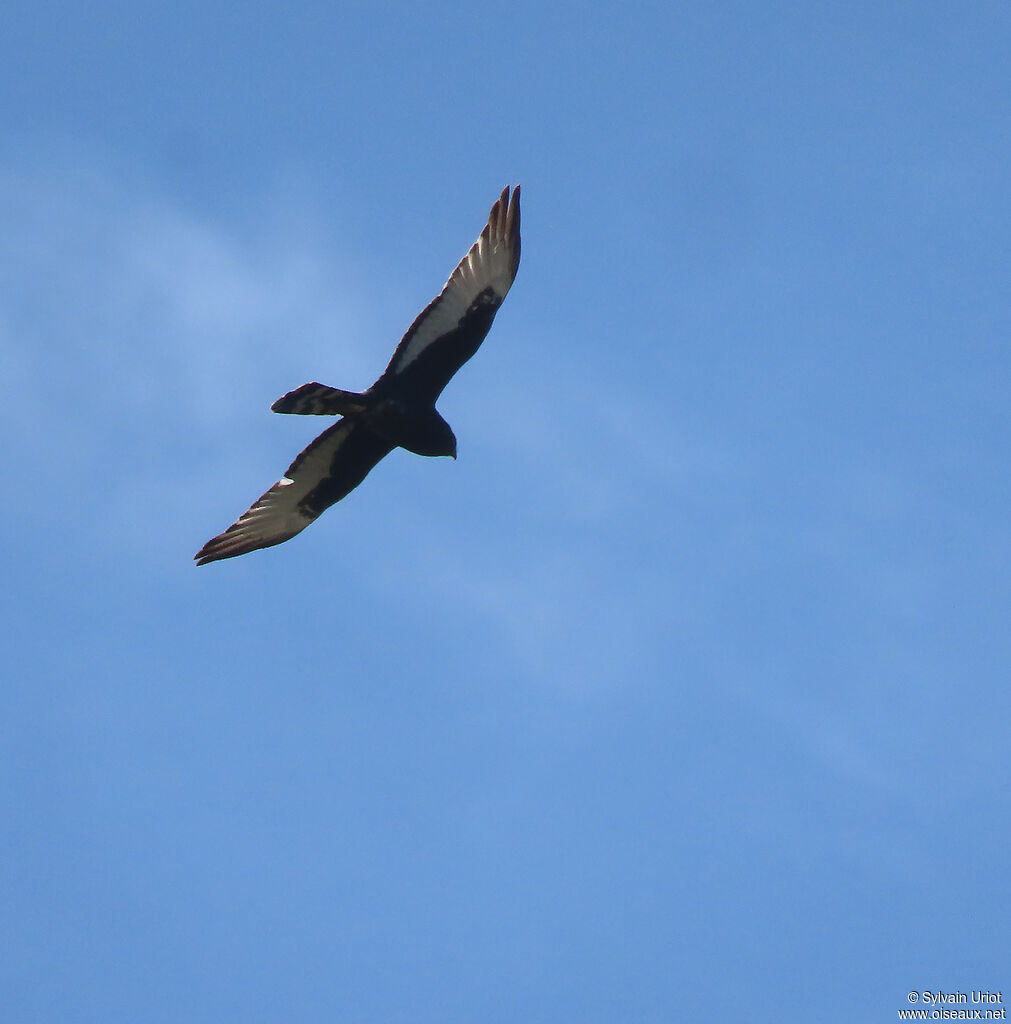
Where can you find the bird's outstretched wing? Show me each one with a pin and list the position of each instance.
(452, 326)
(332, 466)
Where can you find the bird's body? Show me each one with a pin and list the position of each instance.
(399, 409)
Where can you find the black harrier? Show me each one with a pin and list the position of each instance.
(399, 409)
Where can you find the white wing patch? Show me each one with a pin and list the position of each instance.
(277, 515)
(491, 263)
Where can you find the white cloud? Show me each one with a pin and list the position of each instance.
(126, 296)
(138, 337)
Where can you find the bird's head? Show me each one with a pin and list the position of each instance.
(431, 435)
(442, 440)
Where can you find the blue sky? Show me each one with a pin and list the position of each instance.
(683, 692)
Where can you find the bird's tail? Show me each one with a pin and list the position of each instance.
(319, 400)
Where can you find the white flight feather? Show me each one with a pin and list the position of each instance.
(488, 264)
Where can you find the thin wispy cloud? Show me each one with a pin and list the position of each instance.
(129, 293)
(154, 333)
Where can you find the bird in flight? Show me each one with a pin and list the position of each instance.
(399, 409)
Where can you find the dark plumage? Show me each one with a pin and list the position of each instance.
(399, 409)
